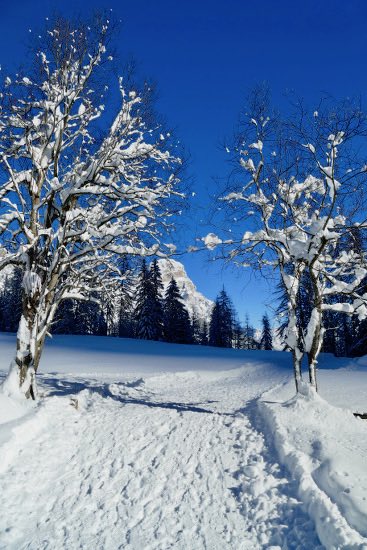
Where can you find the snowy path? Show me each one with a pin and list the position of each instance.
(136, 468)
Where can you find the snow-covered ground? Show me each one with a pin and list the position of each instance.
(145, 445)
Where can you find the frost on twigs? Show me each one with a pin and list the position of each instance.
(300, 220)
(73, 200)
(211, 241)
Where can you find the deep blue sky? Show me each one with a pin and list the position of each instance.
(204, 57)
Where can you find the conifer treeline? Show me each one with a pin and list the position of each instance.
(141, 309)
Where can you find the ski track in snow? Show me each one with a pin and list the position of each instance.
(142, 465)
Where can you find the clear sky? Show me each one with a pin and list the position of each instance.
(204, 56)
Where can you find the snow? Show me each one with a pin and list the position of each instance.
(211, 241)
(325, 448)
(195, 302)
(142, 444)
(258, 145)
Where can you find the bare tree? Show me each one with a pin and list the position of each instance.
(75, 196)
(298, 192)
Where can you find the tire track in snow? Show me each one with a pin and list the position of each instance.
(125, 474)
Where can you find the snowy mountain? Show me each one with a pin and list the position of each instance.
(194, 301)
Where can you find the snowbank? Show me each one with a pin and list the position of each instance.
(12, 414)
(325, 448)
(131, 381)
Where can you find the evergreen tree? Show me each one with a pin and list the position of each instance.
(204, 332)
(157, 305)
(81, 317)
(196, 328)
(126, 321)
(358, 329)
(106, 315)
(266, 336)
(221, 322)
(11, 301)
(2, 312)
(214, 325)
(148, 310)
(248, 335)
(177, 326)
(92, 317)
(237, 334)
(124, 305)
(66, 318)
(144, 328)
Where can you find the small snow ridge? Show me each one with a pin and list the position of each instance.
(325, 450)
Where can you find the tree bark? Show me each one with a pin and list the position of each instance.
(297, 359)
(25, 358)
(317, 336)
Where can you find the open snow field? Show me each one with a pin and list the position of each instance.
(181, 447)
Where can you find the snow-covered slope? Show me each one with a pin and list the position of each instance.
(140, 444)
(194, 301)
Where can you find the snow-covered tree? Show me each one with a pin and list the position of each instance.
(304, 306)
(294, 195)
(75, 195)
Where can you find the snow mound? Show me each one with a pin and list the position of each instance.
(325, 448)
(13, 412)
(194, 301)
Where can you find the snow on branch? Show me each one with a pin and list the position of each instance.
(73, 200)
(299, 223)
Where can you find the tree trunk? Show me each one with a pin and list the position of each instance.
(293, 331)
(297, 359)
(30, 343)
(315, 332)
(312, 371)
(38, 310)
(39, 349)
(25, 358)
(314, 353)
